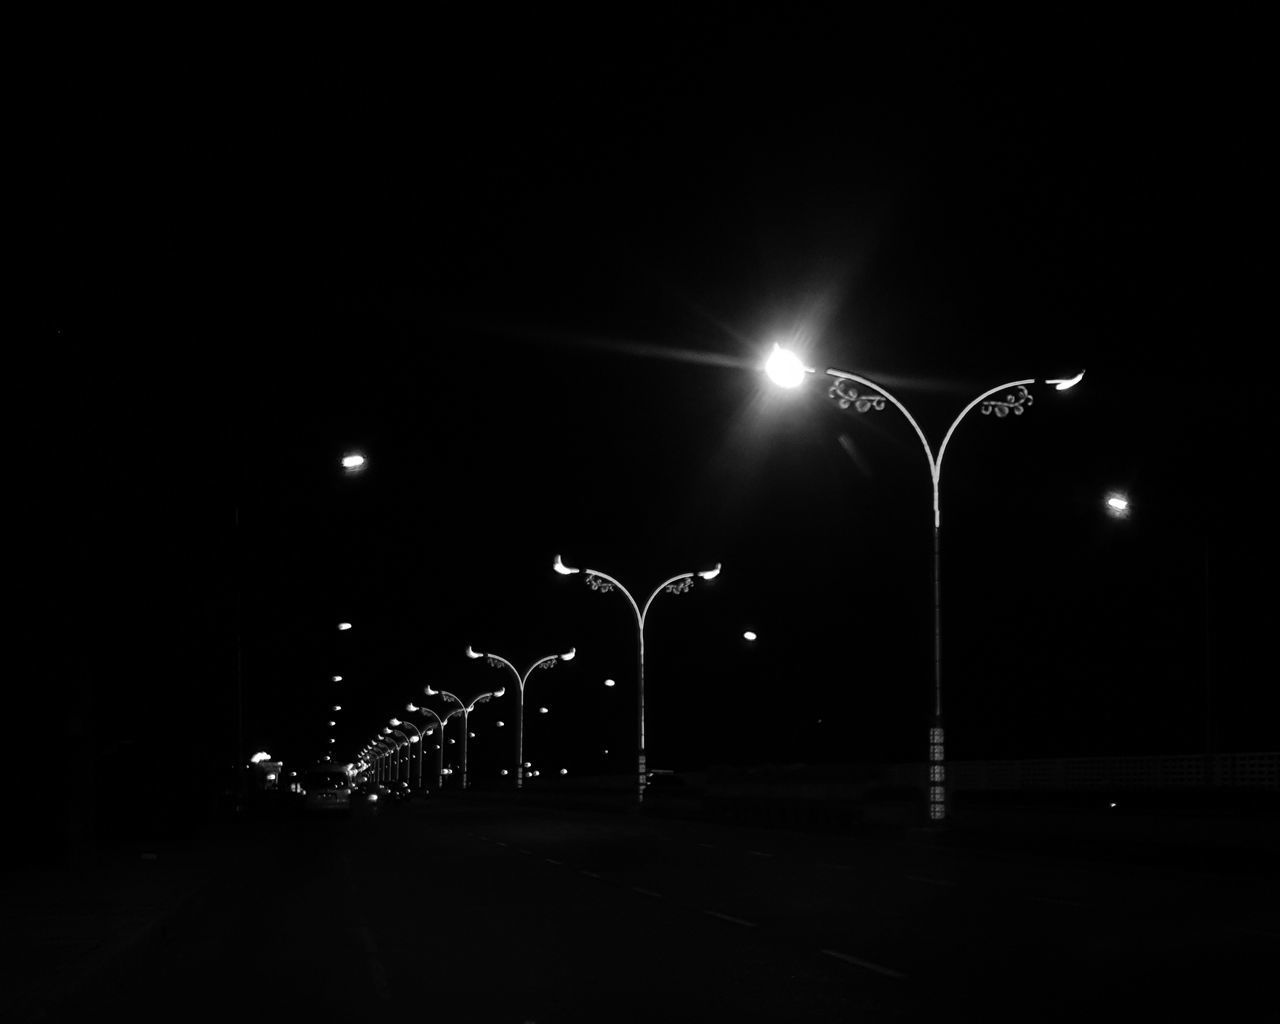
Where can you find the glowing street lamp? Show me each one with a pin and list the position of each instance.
(440, 722)
(786, 369)
(415, 738)
(353, 462)
(344, 626)
(465, 710)
(1117, 506)
(496, 661)
(604, 583)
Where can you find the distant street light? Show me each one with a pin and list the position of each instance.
(415, 738)
(337, 679)
(353, 462)
(749, 635)
(1117, 506)
(496, 661)
(603, 583)
(440, 722)
(344, 625)
(786, 369)
(466, 710)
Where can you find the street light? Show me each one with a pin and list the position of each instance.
(786, 370)
(412, 707)
(497, 660)
(353, 462)
(1117, 506)
(408, 743)
(415, 738)
(466, 710)
(603, 583)
(344, 626)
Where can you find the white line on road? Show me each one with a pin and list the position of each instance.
(646, 892)
(732, 920)
(377, 973)
(865, 964)
(930, 881)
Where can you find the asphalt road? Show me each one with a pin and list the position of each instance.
(481, 910)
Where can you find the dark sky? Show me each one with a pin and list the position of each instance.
(531, 267)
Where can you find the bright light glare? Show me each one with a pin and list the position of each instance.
(710, 574)
(344, 625)
(564, 771)
(501, 724)
(260, 756)
(1117, 506)
(563, 569)
(1062, 383)
(748, 635)
(610, 682)
(353, 461)
(337, 679)
(336, 707)
(784, 368)
(473, 654)
(570, 654)
(542, 711)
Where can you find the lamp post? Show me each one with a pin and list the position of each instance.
(411, 707)
(407, 743)
(786, 370)
(603, 582)
(466, 710)
(415, 738)
(497, 660)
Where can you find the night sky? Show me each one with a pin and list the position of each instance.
(531, 269)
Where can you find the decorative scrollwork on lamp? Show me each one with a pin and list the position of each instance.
(596, 583)
(679, 587)
(845, 395)
(1014, 401)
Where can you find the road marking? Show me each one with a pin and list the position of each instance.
(865, 964)
(552, 860)
(646, 892)
(589, 874)
(929, 881)
(732, 920)
(759, 853)
(377, 972)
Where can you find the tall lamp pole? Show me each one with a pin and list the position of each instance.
(496, 660)
(786, 370)
(603, 582)
(415, 738)
(411, 707)
(466, 710)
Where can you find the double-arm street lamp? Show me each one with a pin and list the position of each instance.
(603, 583)
(415, 738)
(412, 707)
(497, 660)
(387, 730)
(465, 710)
(786, 370)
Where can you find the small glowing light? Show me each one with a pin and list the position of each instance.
(610, 682)
(563, 569)
(344, 625)
(542, 711)
(271, 775)
(332, 723)
(453, 741)
(1112, 804)
(748, 635)
(784, 368)
(413, 739)
(501, 724)
(1119, 504)
(472, 735)
(564, 771)
(473, 654)
(337, 679)
(710, 574)
(428, 691)
(259, 757)
(528, 764)
(503, 772)
(1062, 383)
(336, 707)
(394, 721)
(353, 461)
(570, 654)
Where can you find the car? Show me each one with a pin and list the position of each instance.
(369, 797)
(326, 791)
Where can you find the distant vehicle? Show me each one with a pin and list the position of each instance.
(369, 797)
(327, 790)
